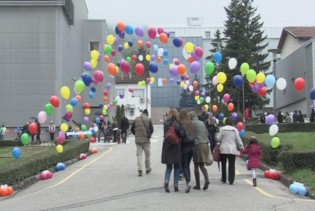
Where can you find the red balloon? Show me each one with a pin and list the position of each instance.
(92, 139)
(299, 84)
(240, 126)
(87, 106)
(32, 127)
(139, 69)
(262, 91)
(105, 92)
(54, 100)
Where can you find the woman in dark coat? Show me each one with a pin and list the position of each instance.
(171, 154)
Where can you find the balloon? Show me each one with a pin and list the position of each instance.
(217, 57)
(79, 86)
(163, 38)
(64, 127)
(199, 52)
(214, 108)
(139, 69)
(181, 69)
(262, 91)
(226, 97)
(110, 39)
(232, 63)
(244, 68)
(94, 55)
(195, 67)
(238, 80)
(275, 142)
(60, 167)
(189, 47)
(230, 107)
(121, 26)
(221, 116)
(260, 78)
(242, 133)
(234, 117)
(61, 138)
(215, 80)
(65, 92)
(54, 100)
(299, 84)
(86, 78)
(87, 111)
(281, 83)
(16, 153)
(59, 148)
(139, 31)
(25, 139)
(108, 49)
(220, 87)
(312, 93)
(152, 32)
(153, 67)
(251, 75)
(221, 77)
(270, 81)
(273, 129)
(210, 67)
(74, 101)
(98, 76)
(240, 126)
(270, 119)
(42, 116)
(129, 29)
(208, 99)
(32, 127)
(177, 42)
(87, 66)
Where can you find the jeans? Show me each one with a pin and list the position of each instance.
(124, 136)
(231, 169)
(168, 172)
(99, 134)
(52, 136)
(186, 158)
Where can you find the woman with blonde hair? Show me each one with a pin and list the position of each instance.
(171, 154)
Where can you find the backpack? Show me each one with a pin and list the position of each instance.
(171, 135)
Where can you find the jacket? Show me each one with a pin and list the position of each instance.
(201, 132)
(124, 124)
(229, 140)
(254, 154)
(139, 129)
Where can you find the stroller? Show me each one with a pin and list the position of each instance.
(108, 134)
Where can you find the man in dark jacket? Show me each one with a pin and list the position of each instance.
(124, 126)
(204, 114)
(142, 128)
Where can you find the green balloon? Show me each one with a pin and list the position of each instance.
(83, 127)
(79, 86)
(251, 75)
(275, 142)
(244, 68)
(49, 109)
(128, 59)
(108, 49)
(25, 139)
(209, 68)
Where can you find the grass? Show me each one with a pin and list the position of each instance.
(305, 176)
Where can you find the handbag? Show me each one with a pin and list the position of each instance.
(216, 153)
(171, 135)
(146, 129)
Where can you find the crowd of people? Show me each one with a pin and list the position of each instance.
(293, 117)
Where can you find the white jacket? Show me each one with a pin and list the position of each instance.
(230, 140)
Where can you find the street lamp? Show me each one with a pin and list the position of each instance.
(275, 52)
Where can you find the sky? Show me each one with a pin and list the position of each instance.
(274, 13)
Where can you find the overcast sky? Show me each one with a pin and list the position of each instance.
(175, 12)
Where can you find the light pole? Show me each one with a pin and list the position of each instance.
(275, 52)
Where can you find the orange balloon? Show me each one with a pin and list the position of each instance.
(191, 59)
(181, 69)
(81, 136)
(214, 108)
(10, 190)
(159, 59)
(163, 37)
(140, 43)
(121, 26)
(164, 81)
(79, 98)
(195, 84)
(112, 69)
(106, 58)
(230, 106)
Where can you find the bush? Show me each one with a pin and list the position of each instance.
(10, 143)
(24, 168)
(292, 161)
(285, 127)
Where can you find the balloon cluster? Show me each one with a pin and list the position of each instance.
(46, 174)
(6, 190)
(298, 188)
(272, 174)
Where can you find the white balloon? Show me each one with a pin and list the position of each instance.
(281, 83)
(185, 54)
(215, 80)
(198, 102)
(191, 88)
(140, 57)
(208, 99)
(42, 116)
(273, 130)
(232, 63)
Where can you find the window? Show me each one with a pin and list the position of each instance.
(160, 82)
(138, 93)
(207, 34)
(94, 46)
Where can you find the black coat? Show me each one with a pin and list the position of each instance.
(171, 154)
(124, 124)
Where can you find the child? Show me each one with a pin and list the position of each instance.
(253, 150)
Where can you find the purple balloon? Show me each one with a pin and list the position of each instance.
(234, 117)
(174, 71)
(86, 119)
(255, 88)
(120, 48)
(109, 86)
(171, 80)
(139, 31)
(195, 67)
(88, 66)
(271, 119)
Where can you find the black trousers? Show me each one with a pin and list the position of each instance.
(124, 136)
(231, 169)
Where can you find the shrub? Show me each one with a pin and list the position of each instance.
(285, 127)
(292, 161)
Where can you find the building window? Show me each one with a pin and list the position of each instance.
(94, 46)
(207, 34)
(138, 93)
(172, 34)
(160, 82)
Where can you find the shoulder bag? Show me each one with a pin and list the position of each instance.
(146, 129)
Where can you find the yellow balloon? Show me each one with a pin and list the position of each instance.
(59, 148)
(64, 127)
(95, 54)
(260, 78)
(221, 77)
(207, 107)
(181, 84)
(197, 97)
(189, 47)
(139, 83)
(87, 111)
(65, 92)
(148, 57)
(93, 63)
(110, 39)
(171, 65)
(126, 45)
(152, 79)
(105, 107)
(220, 87)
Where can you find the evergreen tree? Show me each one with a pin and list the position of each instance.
(244, 40)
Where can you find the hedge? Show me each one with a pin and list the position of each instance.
(285, 127)
(24, 168)
(291, 161)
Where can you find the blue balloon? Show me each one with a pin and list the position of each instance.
(270, 81)
(93, 88)
(60, 167)
(153, 67)
(302, 190)
(101, 105)
(86, 78)
(129, 29)
(165, 61)
(293, 188)
(238, 80)
(97, 120)
(16, 153)
(165, 52)
(221, 116)
(312, 93)
(121, 35)
(242, 133)
(91, 95)
(217, 57)
(117, 31)
(74, 101)
(130, 43)
(176, 42)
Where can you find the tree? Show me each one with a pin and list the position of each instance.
(243, 40)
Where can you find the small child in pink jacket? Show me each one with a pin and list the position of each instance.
(253, 150)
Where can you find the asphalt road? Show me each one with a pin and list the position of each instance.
(108, 180)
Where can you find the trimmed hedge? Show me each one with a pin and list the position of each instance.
(285, 127)
(10, 143)
(291, 161)
(24, 168)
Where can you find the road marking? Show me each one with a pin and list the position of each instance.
(72, 174)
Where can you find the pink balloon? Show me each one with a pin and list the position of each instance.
(199, 51)
(98, 76)
(226, 98)
(160, 30)
(42, 116)
(148, 44)
(152, 32)
(61, 138)
(130, 90)
(125, 66)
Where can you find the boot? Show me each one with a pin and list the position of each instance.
(205, 174)
(167, 190)
(197, 176)
(255, 182)
(140, 173)
(188, 186)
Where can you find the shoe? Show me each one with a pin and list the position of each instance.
(223, 181)
(196, 187)
(148, 171)
(255, 182)
(231, 183)
(167, 190)
(176, 189)
(140, 173)
(187, 189)
(205, 187)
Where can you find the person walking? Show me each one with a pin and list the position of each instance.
(211, 125)
(171, 154)
(229, 141)
(142, 129)
(253, 150)
(187, 145)
(124, 126)
(280, 117)
(300, 117)
(295, 116)
(38, 132)
(52, 129)
(203, 116)
(312, 117)
(3, 130)
(201, 155)
(101, 129)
